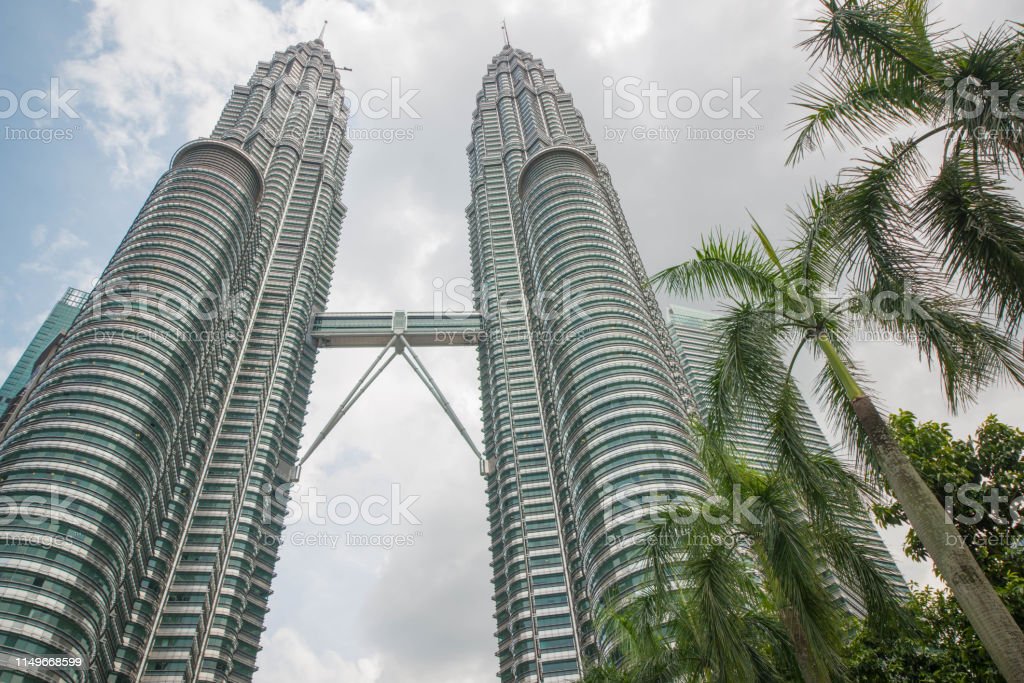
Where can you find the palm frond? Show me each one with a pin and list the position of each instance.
(859, 567)
(892, 39)
(712, 584)
(831, 394)
(830, 495)
(716, 455)
(970, 216)
(982, 79)
(641, 652)
(969, 353)
(813, 256)
(749, 367)
(818, 477)
(850, 107)
(790, 563)
(874, 230)
(720, 590)
(723, 266)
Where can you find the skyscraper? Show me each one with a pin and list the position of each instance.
(176, 402)
(55, 324)
(583, 397)
(694, 342)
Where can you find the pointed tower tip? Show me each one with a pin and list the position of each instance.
(504, 30)
(322, 30)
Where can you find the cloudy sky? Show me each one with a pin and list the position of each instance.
(150, 76)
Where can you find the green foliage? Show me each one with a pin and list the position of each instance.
(842, 272)
(734, 588)
(943, 646)
(963, 474)
(889, 247)
(943, 649)
(884, 65)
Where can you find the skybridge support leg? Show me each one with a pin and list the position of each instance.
(401, 348)
(421, 371)
(376, 367)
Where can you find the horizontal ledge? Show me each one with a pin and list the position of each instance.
(359, 329)
(256, 177)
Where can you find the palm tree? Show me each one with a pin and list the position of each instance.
(884, 67)
(665, 637)
(737, 591)
(780, 306)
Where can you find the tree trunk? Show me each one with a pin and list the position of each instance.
(996, 629)
(998, 632)
(801, 648)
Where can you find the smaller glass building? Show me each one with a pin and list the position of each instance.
(56, 323)
(695, 346)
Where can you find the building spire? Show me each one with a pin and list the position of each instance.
(504, 30)
(324, 28)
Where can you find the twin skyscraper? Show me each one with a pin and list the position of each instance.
(135, 469)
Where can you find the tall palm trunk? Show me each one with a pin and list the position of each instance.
(996, 629)
(809, 670)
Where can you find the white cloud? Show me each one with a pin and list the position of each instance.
(61, 254)
(66, 241)
(612, 24)
(38, 235)
(288, 658)
(144, 64)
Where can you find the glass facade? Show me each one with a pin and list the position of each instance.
(56, 324)
(694, 342)
(583, 399)
(171, 413)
